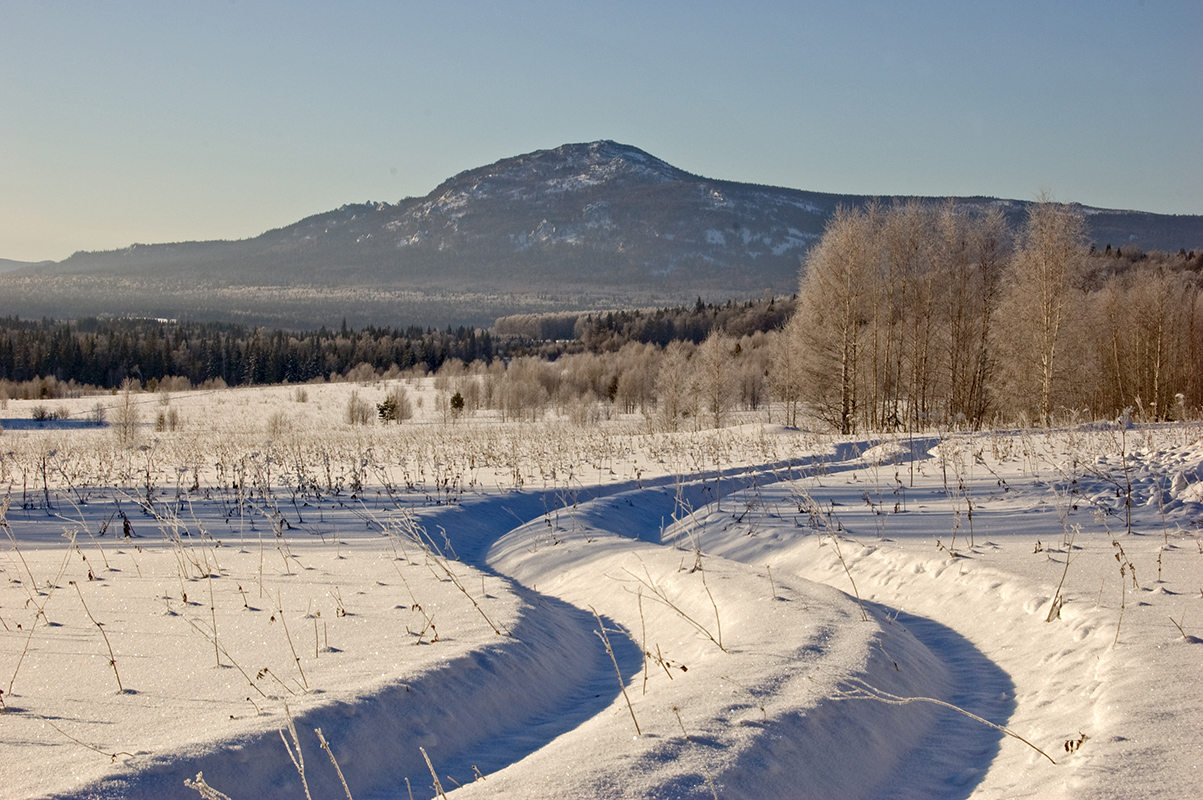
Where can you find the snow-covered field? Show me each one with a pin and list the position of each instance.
(791, 614)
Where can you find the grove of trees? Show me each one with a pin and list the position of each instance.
(915, 315)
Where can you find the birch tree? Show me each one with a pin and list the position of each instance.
(785, 369)
(715, 377)
(972, 254)
(1037, 304)
(672, 385)
(833, 308)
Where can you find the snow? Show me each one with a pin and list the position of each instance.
(717, 200)
(792, 614)
(793, 239)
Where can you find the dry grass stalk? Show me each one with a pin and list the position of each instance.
(112, 658)
(438, 787)
(1054, 611)
(863, 691)
(226, 653)
(601, 632)
(205, 790)
(661, 595)
(294, 750)
(330, 752)
(283, 624)
(112, 756)
(718, 625)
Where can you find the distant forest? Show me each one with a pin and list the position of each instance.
(48, 359)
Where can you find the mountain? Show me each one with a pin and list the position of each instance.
(8, 265)
(595, 225)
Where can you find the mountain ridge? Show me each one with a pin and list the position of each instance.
(596, 224)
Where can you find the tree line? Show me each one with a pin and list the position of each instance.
(104, 353)
(913, 315)
(609, 331)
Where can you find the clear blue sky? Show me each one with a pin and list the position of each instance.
(126, 122)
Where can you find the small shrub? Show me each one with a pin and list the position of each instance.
(41, 413)
(175, 383)
(279, 425)
(300, 394)
(358, 411)
(97, 415)
(396, 407)
(167, 419)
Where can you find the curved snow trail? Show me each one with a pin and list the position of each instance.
(780, 734)
(541, 702)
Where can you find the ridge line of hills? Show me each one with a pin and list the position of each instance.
(582, 226)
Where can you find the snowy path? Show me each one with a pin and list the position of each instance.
(746, 689)
(784, 648)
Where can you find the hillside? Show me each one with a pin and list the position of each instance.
(596, 225)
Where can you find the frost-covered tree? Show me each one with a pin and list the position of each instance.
(396, 406)
(715, 378)
(785, 369)
(753, 352)
(526, 387)
(672, 386)
(1149, 335)
(975, 251)
(358, 411)
(1038, 305)
(126, 418)
(637, 367)
(833, 304)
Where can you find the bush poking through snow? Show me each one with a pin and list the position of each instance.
(358, 411)
(396, 407)
(279, 425)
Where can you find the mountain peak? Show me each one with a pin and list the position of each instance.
(567, 168)
(606, 155)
